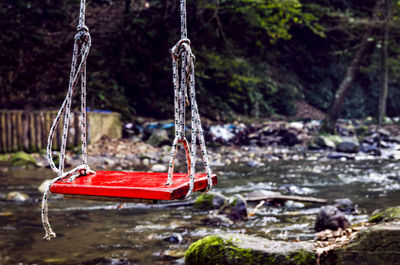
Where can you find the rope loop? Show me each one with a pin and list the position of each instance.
(82, 43)
(183, 57)
(81, 170)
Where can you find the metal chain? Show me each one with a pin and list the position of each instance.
(182, 51)
(82, 38)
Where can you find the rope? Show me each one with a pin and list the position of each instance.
(82, 38)
(182, 51)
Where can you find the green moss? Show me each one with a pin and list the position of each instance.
(362, 131)
(215, 250)
(204, 202)
(303, 257)
(333, 137)
(386, 215)
(22, 159)
(3, 158)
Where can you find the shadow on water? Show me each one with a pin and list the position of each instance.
(101, 233)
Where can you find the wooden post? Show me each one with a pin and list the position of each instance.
(20, 131)
(14, 131)
(25, 129)
(43, 130)
(2, 134)
(9, 131)
(38, 130)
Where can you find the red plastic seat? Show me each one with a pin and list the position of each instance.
(131, 185)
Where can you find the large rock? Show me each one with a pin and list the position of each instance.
(17, 196)
(22, 159)
(324, 141)
(159, 138)
(348, 145)
(379, 244)
(236, 208)
(331, 218)
(345, 205)
(210, 201)
(386, 215)
(240, 249)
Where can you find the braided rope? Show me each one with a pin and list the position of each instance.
(182, 51)
(82, 38)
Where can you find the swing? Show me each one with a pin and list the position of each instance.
(84, 183)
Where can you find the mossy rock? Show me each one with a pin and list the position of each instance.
(362, 131)
(210, 201)
(386, 215)
(241, 249)
(324, 141)
(22, 159)
(159, 138)
(4, 158)
(336, 139)
(378, 244)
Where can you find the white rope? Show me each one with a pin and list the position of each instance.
(77, 73)
(182, 51)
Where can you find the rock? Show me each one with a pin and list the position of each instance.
(254, 163)
(337, 155)
(174, 238)
(345, 205)
(323, 141)
(17, 196)
(235, 249)
(290, 138)
(348, 146)
(370, 149)
(159, 138)
(158, 168)
(174, 253)
(209, 201)
(44, 185)
(296, 125)
(215, 219)
(331, 218)
(236, 208)
(22, 159)
(221, 133)
(379, 244)
(109, 162)
(386, 215)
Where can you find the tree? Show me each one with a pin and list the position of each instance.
(329, 123)
(384, 65)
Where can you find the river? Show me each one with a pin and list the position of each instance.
(106, 233)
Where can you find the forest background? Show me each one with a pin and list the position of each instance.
(253, 57)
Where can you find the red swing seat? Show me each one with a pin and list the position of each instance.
(129, 186)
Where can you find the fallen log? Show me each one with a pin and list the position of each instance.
(285, 198)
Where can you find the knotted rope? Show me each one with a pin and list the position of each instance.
(183, 53)
(82, 38)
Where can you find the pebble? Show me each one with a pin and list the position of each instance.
(17, 196)
(158, 168)
(42, 187)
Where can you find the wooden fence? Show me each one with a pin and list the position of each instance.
(29, 130)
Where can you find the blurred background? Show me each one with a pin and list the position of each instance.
(255, 58)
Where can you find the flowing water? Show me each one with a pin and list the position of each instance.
(103, 233)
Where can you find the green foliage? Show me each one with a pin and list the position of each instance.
(254, 57)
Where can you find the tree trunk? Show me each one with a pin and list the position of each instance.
(384, 65)
(329, 123)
